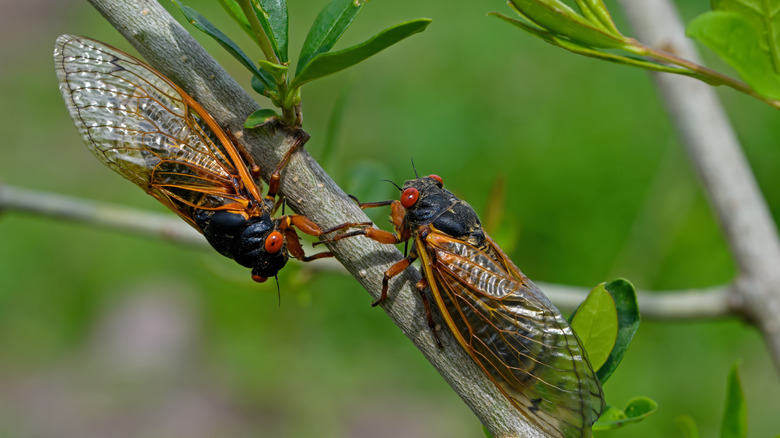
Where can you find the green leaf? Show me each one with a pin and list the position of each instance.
(637, 409)
(765, 19)
(596, 324)
(622, 291)
(209, 29)
(327, 28)
(275, 70)
(486, 432)
(610, 415)
(735, 39)
(559, 19)
(734, 423)
(596, 12)
(272, 15)
(328, 63)
(688, 426)
(235, 12)
(259, 117)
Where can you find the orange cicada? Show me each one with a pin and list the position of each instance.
(505, 323)
(147, 129)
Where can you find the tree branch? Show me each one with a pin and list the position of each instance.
(102, 214)
(663, 305)
(309, 191)
(735, 198)
(659, 305)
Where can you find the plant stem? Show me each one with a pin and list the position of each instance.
(257, 28)
(714, 77)
(289, 115)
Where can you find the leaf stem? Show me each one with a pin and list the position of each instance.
(290, 116)
(706, 74)
(257, 28)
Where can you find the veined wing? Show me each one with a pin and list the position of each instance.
(147, 129)
(515, 334)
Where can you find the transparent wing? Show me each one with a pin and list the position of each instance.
(515, 334)
(147, 129)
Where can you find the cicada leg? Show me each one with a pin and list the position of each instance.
(305, 225)
(254, 169)
(394, 270)
(421, 286)
(273, 182)
(376, 234)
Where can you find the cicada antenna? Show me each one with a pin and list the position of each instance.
(415, 169)
(278, 292)
(396, 185)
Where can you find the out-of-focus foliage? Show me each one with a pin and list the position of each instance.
(734, 424)
(597, 187)
(741, 32)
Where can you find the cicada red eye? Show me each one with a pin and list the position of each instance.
(409, 197)
(273, 243)
(258, 278)
(438, 179)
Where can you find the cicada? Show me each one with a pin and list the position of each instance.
(504, 322)
(147, 129)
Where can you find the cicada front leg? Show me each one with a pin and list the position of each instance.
(273, 181)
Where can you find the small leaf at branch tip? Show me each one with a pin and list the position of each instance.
(628, 318)
(559, 19)
(596, 324)
(276, 70)
(259, 118)
(637, 409)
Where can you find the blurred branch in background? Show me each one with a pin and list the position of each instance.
(728, 181)
(111, 216)
(688, 304)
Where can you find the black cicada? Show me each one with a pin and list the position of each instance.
(505, 323)
(147, 129)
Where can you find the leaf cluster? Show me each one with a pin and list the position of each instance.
(745, 33)
(266, 22)
(606, 323)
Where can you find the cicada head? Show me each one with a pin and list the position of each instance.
(262, 247)
(424, 199)
(428, 203)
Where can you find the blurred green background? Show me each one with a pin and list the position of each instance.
(107, 334)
